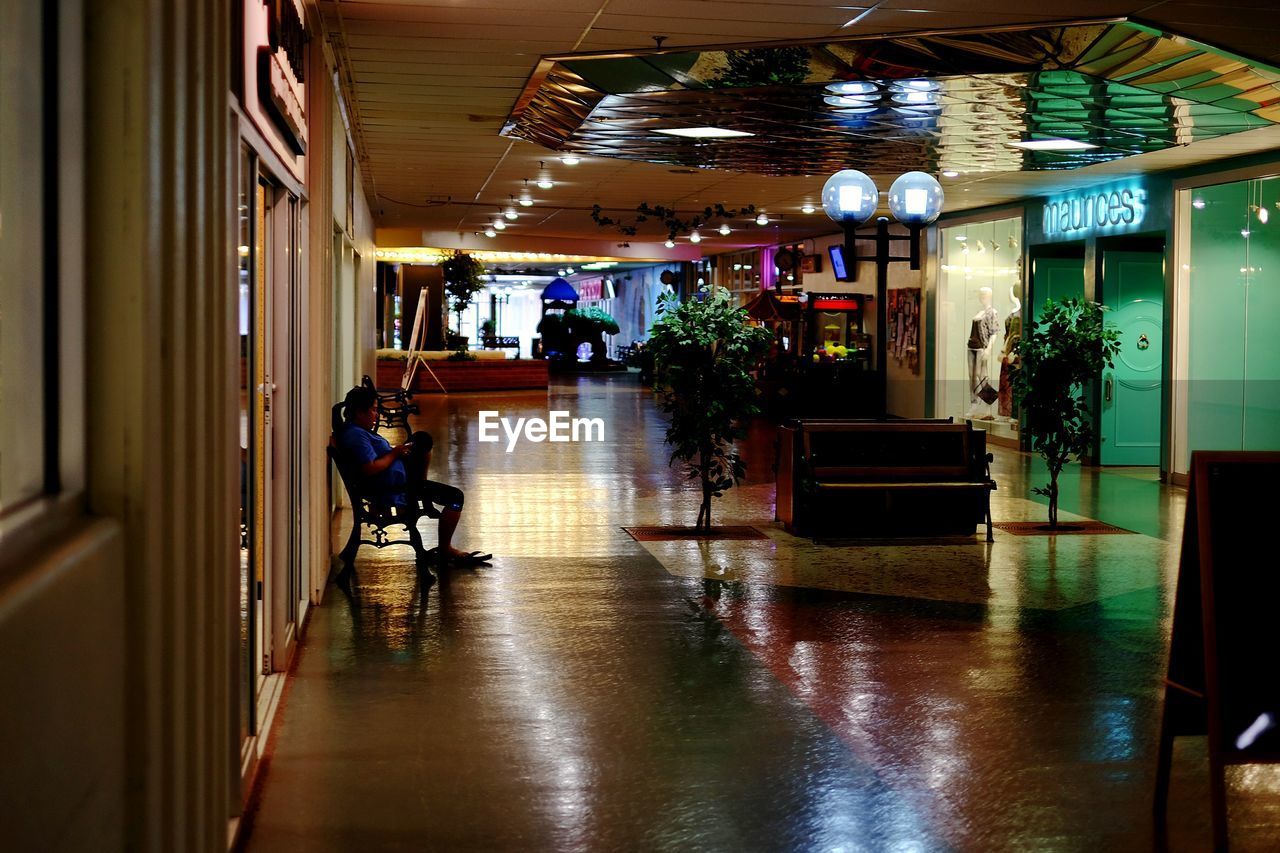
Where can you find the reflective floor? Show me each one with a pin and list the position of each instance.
(589, 692)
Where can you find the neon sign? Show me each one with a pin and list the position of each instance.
(1105, 211)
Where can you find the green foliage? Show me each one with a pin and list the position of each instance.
(769, 66)
(703, 352)
(589, 322)
(1068, 346)
(463, 279)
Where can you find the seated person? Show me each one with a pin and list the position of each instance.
(384, 466)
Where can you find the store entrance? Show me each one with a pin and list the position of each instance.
(1131, 286)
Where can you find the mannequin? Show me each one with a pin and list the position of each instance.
(1009, 360)
(983, 339)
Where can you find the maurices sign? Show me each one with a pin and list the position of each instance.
(1100, 211)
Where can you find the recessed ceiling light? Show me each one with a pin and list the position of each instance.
(570, 160)
(854, 87)
(703, 132)
(1053, 145)
(950, 173)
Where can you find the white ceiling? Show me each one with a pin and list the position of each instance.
(430, 83)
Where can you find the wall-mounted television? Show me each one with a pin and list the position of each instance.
(837, 262)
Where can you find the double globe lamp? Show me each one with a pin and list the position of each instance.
(850, 198)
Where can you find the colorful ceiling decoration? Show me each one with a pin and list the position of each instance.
(1013, 99)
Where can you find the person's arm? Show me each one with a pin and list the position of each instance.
(360, 448)
(386, 460)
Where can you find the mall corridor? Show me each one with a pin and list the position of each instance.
(591, 692)
(886, 251)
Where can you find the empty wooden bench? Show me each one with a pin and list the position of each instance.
(883, 478)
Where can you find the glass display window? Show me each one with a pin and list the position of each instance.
(1232, 354)
(980, 300)
(739, 273)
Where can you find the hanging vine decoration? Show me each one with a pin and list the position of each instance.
(669, 217)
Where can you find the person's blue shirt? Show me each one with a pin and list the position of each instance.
(362, 447)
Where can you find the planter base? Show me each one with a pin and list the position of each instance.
(481, 375)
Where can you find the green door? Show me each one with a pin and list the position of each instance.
(1055, 278)
(1133, 292)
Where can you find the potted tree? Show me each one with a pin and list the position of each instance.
(1067, 346)
(463, 279)
(703, 351)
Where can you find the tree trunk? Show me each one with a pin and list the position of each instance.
(1053, 497)
(704, 512)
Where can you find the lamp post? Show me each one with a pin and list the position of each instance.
(915, 200)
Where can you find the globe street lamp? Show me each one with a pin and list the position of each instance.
(915, 200)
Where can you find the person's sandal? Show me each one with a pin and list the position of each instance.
(475, 558)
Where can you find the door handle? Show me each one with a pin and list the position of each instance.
(1107, 388)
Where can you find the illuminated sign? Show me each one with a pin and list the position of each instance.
(836, 303)
(1104, 211)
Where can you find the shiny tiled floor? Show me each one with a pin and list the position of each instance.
(588, 692)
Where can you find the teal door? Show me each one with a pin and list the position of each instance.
(1133, 292)
(1055, 278)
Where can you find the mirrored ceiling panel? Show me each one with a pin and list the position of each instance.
(1018, 99)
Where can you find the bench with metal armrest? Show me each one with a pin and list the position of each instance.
(375, 508)
(888, 477)
(394, 407)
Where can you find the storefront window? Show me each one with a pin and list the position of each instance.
(739, 273)
(980, 296)
(1233, 353)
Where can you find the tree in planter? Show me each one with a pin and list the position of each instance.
(463, 279)
(703, 351)
(1067, 346)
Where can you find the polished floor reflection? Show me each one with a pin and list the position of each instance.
(590, 692)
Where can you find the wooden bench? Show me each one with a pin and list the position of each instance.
(884, 477)
(501, 343)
